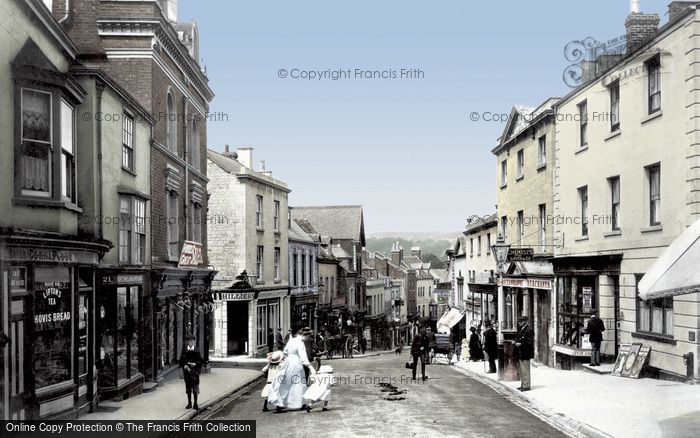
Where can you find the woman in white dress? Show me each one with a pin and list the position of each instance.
(288, 387)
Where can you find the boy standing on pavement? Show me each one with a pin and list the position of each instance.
(191, 363)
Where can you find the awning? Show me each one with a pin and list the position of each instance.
(676, 271)
(451, 318)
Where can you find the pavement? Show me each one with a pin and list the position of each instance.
(375, 396)
(600, 405)
(168, 402)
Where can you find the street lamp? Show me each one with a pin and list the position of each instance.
(500, 253)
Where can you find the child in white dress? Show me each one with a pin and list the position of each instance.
(274, 363)
(320, 389)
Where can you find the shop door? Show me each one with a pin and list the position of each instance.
(616, 321)
(543, 321)
(15, 383)
(237, 327)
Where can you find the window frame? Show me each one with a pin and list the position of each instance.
(521, 227)
(653, 67)
(193, 158)
(667, 308)
(583, 206)
(614, 91)
(583, 123)
(172, 228)
(542, 151)
(615, 205)
(542, 211)
(259, 205)
(276, 216)
(128, 142)
(520, 160)
(654, 206)
(68, 174)
(196, 222)
(504, 173)
(277, 263)
(171, 122)
(260, 263)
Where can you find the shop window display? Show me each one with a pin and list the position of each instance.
(52, 336)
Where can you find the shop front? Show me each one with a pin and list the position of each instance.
(304, 311)
(179, 304)
(120, 332)
(584, 285)
(270, 307)
(47, 312)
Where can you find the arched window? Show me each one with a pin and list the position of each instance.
(171, 127)
(193, 144)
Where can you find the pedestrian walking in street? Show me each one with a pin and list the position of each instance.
(288, 388)
(274, 363)
(595, 329)
(491, 346)
(363, 343)
(288, 336)
(431, 344)
(279, 340)
(311, 349)
(191, 363)
(320, 389)
(475, 350)
(525, 350)
(419, 350)
(270, 340)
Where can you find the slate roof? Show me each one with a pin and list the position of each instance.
(337, 221)
(297, 234)
(226, 164)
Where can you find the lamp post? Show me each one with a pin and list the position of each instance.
(500, 253)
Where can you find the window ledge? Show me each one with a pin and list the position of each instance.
(654, 337)
(652, 229)
(46, 202)
(259, 281)
(129, 171)
(581, 149)
(520, 178)
(581, 239)
(503, 186)
(613, 134)
(613, 233)
(541, 166)
(259, 230)
(652, 116)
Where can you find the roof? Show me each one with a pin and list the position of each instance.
(340, 253)
(521, 118)
(676, 271)
(234, 167)
(226, 164)
(338, 221)
(297, 234)
(481, 223)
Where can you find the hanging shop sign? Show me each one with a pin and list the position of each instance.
(521, 255)
(191, 255)
(528, 283)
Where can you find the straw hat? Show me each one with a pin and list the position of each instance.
(276, 356)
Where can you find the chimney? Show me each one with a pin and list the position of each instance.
(415, 251)
(396, 254)
(676, 9)
(170, 10)
(228, 154)
(640, 27)
(245, 157)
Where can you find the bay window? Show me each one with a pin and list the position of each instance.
(37, 126)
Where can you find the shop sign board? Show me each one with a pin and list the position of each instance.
(18, 279)
(191, 255)
(521, 255)
(269, 294)
(528, 283)
(630, 360)
(236, 296)
(587, 299)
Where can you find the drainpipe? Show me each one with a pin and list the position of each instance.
(187, 170)
(100, 88)
(65, 17)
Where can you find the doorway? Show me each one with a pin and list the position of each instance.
(237, 327)
(543, 321)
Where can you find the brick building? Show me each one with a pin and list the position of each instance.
(155, 58)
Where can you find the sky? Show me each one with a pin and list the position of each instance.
(406, 148)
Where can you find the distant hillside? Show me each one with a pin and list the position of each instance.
(432, 245)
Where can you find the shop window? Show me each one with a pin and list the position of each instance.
(52, 335)
(83, 333)
(261, 334)
(655, 316)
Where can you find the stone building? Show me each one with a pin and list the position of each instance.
(626, 185)
(249, 231)
(481, 294)
(524, 157)
(303, 277)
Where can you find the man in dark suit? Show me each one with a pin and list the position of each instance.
(525, 350)
(595, 329)
(279, 340)
(491, 346)
(191, 363)
(431, 344)
(419, 349)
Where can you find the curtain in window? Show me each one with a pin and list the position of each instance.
(644, 316)
(657, 317)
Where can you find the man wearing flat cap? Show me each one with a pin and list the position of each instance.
(525, 350)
